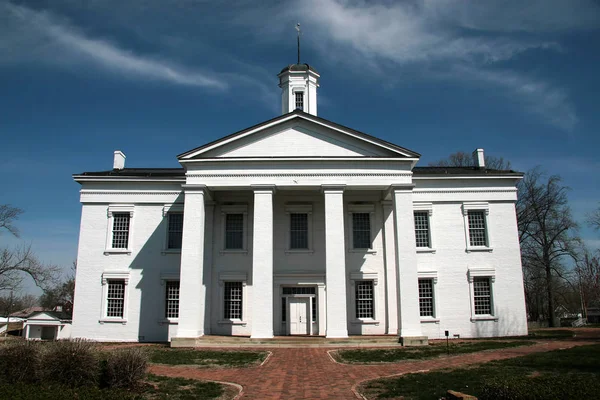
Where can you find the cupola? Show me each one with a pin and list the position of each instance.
(299, 83)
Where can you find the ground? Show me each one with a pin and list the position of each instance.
(311, 373)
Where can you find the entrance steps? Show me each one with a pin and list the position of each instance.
(286, 341)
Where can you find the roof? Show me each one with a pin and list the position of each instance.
(55, 314)
(26, 312)
(301, 114)
(139, 172)
(466, 171)
(298, 68)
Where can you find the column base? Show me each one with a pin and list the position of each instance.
(262, 336)
(185, 341)
(413, 340)
(337, 335)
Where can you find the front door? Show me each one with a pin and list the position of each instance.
(48, 332)
(298, 307)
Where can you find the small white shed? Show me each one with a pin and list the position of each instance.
(47, 325)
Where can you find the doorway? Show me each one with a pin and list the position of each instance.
(298, 315)
(48, 333)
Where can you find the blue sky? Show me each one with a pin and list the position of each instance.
(155, 78)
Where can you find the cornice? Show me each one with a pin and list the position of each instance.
(434, 191)
(300, 175)
(119, 192)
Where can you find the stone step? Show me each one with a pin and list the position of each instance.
(285, 341)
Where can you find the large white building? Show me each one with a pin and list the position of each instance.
(298, 226)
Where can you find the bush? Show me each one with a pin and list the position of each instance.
(71, 362)
(125, 368)
(19, 362)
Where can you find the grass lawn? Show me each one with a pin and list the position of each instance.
(551, 334)
(362, 356)
(206, 358)
(560, 374)
(154, 388)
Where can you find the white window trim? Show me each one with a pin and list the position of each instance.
(164, 278)
(364, 276)
(234, 209)
(233, 277)
(170, 208)
(299, 89)
(433, 275)
(299, 209)
(360, 208)
(428, 207)
(111, 210)
(482, 273)
(116, 275)
(480, 206)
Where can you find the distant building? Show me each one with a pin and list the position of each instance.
(298, 226)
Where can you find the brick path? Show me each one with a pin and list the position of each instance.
(309, 373)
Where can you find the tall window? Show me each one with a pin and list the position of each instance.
(120, 233)
(426, 307)
(300, 100)
(482, 296)
(233, 300)
(361, 230)
(477, 229)
(115, 299)
(422, 229)
(298, 231)
(364, 299)
(172, 300)
(234, 231)
(175, 230)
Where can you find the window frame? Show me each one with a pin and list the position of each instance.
(233, 277)
(432, 276)
(168, 210)
(428, 208)
(234, 209)
(360, 209)
(481, 207)
(482, 273)
(360, 277)
(164, 279)
(299, 209)
(107, 277)
(110, 214)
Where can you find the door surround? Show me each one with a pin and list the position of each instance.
(316, 281)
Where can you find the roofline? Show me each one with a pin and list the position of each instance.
(466, 176)
(307, 158)
(309, 117)
(125, 178)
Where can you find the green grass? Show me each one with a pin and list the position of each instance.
(206, 358)
(551, 334)
(559, 374)
(419, 353)
(155, 388)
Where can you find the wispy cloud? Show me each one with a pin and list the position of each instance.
(44, 37)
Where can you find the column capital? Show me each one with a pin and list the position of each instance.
(333, 188)
(197, 189)
(400, 187)
(264, 189)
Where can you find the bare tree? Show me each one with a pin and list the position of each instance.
(593, 219)
(465, 159)
(18, 262)
(547, 233)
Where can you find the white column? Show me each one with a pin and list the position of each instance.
(409, 319)
(209, 207)
(335, 262)
(391, 280)
(262, 263)
(192, 288)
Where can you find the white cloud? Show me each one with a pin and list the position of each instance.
(40, 36)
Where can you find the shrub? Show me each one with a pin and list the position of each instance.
(125, 368)
(19, 362)
(71, 362)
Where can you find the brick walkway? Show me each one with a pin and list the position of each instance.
(311, 374)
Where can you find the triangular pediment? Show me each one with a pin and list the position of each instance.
(298, 135)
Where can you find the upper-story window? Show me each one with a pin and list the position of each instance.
(118, 239)
(361, 230)
(476, 226)
(422, 234)
(234, 231)
(298, 231)
(175, 233)
(299, 100)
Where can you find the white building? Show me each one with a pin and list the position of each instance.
(298, 226)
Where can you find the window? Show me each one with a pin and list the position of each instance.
(422, 234)
(234, 232)
(118, 239)
(313, 305)
(299, 100)
(426, 304)
(172, 299)
(115, 299)
(361, 230)
(482, 296)
(477, 231)
(233, 300)
(175, 231)
(298, 231)
(364, 299)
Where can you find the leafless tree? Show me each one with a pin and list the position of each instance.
(18, 262)
(465, 159)
(547, 233)
(593, 219)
